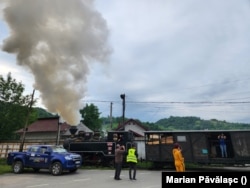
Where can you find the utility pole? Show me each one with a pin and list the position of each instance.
(58, 131)
(123, 107)
(26, 123)
(111, 115)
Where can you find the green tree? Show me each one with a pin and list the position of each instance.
(91, 117)
(14, 107)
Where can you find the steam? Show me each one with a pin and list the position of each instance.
(57, 40)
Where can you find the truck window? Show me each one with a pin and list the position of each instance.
(43, 149)
(34, 149)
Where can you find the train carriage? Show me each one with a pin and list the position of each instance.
(198, 146)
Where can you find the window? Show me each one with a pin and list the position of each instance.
(181, 139)
(34, 149)
(43, 150)
(159, 138)
(167, 139)
(153, 139)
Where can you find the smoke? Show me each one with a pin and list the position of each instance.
(57, 40)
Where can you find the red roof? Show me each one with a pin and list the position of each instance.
(46, 125)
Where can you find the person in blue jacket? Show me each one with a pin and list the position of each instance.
(223, 146)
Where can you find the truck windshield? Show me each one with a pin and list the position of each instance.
(59, 150)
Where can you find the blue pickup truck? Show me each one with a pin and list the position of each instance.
(52, 157)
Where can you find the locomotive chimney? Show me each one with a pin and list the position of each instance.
(73, 130)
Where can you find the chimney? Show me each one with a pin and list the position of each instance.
(73, 130)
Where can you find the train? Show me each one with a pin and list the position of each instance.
(95, 149)
(199, 147)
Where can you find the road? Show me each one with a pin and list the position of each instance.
(96, 178)
(82, 178)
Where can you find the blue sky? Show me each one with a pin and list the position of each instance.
(170, 58)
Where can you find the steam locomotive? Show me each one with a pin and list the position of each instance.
(96, 149)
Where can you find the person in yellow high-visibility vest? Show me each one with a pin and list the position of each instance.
(132, 161)
(178, 158)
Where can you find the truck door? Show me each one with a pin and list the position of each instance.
(31, 156)
(36, 157)
(43, 157)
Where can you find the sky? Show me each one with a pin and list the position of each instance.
(169, 57)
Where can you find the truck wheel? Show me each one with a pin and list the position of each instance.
(17, 167)
(56, 169)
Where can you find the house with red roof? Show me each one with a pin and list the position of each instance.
(44, 129)
(48, 130)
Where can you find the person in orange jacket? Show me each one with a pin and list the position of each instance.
(178, 158)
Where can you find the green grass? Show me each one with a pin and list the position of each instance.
(4, 168)
(144, 165)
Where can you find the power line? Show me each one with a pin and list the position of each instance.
(174, 102)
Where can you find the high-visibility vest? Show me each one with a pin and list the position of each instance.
(131, 157)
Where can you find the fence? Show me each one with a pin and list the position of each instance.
(10, 146)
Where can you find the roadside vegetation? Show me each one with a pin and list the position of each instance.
(4, 168)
